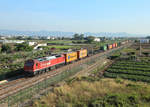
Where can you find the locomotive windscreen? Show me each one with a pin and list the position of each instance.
(29, 63)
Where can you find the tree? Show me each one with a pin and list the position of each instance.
(23, 47)
(90, 39)
(81, 36)
(63, 38)
(6, 48)
(148, 37)
(76, 36)
(19, 38)
(29, 38)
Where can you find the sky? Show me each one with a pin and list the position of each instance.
(131, 16)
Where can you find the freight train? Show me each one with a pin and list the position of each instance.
(45, 64)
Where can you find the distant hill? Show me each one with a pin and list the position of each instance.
(65, 34)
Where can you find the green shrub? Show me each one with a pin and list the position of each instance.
(23, 47)
(6, 48)
(119, 80)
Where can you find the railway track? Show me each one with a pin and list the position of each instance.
(4, 86)
(20, 84)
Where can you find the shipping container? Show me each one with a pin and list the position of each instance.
(104, 48)
(71, 56)
(82, 53)
(113, 45)
(119, 44)
(116, 45)
(109, 46)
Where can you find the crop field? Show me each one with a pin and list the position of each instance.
(136, 70)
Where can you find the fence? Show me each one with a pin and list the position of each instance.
(28, 93)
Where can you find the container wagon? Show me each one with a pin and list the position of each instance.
(116, 45)
(113, 45)
(104, 48)
(82, 53)
(119, 44)
(109, 47)
(70, 57)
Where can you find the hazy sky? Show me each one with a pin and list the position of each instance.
(132, 16)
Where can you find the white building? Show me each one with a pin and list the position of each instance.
(2, 37)
(48, 37)
(144, 40)
(36, 47)
(32, 43)
(11, 41)
(53, 38)
(97, 39)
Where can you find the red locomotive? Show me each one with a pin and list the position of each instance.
(37, 66)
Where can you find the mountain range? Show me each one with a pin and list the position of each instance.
(66, 34)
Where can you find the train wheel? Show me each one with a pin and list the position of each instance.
(49, 69)
(43, 71)
(40, 72)
(35, 73)
(46, 70)
(56, 66)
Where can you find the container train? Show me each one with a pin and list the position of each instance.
(45, 64)
(41, 65)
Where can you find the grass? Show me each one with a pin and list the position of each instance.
(129, 50)
(105, 92)
(61, 46)
(60, 41)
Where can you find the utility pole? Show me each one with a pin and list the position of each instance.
(140, 48)
(92, 50)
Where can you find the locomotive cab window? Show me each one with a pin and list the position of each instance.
(29, 63)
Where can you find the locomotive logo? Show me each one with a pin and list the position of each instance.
(46, 64)
(68, 57)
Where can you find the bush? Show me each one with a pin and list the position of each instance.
(6, 48)
(115, 100)
(23, 47)
(119, 80)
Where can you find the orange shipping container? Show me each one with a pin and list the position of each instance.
(82, 53)
(109, 46)
(116, 45)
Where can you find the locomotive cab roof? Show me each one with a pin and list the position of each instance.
(48, 58)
